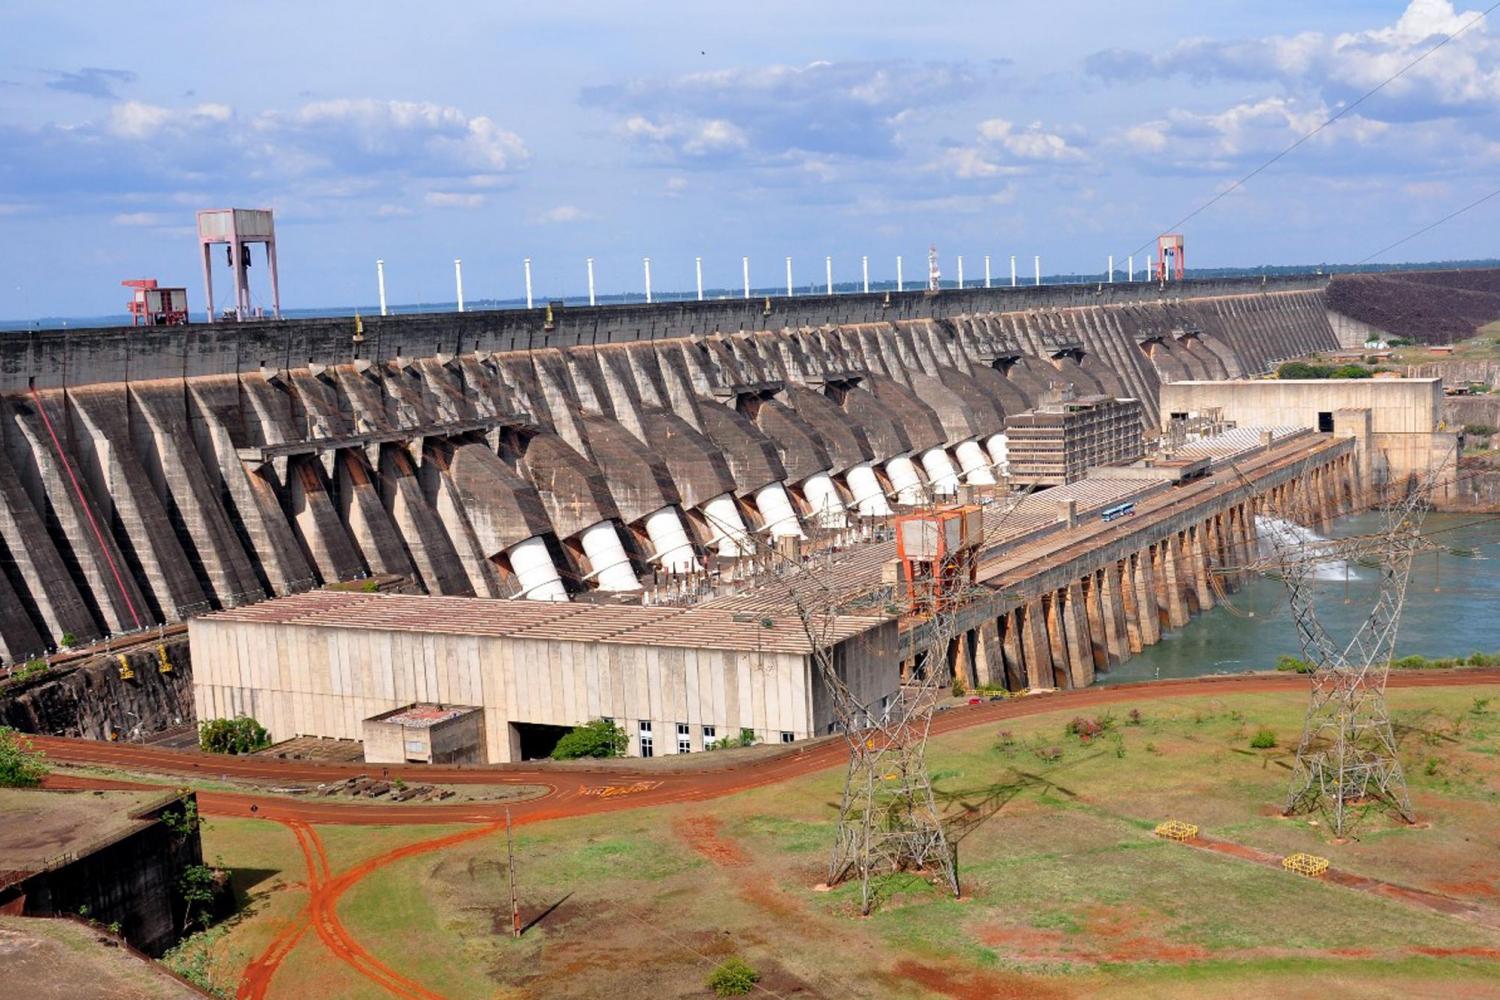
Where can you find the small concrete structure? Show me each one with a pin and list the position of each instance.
(426, 734)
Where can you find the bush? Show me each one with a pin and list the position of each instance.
(1088, 729)
(20, 765)
(1264, 738)
(1134, 718)
(240, 734)
(599, 738)
(1301, 369)
(1290, 664)
(733, 978)
(1350, 371)
(34, 667)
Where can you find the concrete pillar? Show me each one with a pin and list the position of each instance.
(989, 658)
(1057, 641)
(1148, 617)
(1130, 599)
(1038, 650)
(1076, 629)
(1010, 649)
(1177, 612)
(1202, 566)
(1094, 605)
(1112, 603)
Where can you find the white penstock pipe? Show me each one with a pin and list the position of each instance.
(904, 480)
(823, 496)
(611, 566)
(974, 464)
(940, 471)
(532, 564)
(670, 540)
(869, 498)
(999, 448)
(776, 510)
(729, 532)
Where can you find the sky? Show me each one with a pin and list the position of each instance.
(418, 133)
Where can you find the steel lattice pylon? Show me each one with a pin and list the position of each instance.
(1347, 753)
(888, 818)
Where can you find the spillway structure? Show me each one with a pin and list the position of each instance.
(553, 454)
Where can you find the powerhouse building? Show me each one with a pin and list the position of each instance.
(323, 662)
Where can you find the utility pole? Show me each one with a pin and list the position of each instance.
(510, 869)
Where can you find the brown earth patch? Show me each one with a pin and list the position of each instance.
(1474, 889)
(1108, 934)
(975, 984)
(702, 835)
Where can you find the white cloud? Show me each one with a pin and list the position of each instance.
(143, 219)
(1461, 78)
(563, 214)
(1032, 143)
(1002, 149)
(453, 199)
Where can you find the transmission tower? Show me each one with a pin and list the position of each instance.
(1347, 754)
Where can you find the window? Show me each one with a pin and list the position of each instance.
(1325, 422)
(787, 737)
(645, 738)
(684, 738)
(708, 736)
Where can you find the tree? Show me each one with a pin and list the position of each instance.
(1350, 371)
(20, 765)
(198, 884)
(599, 738)
(240, 734)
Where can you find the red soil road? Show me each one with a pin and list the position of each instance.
(573, 791)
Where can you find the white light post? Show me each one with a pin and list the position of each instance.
(647, 262)
(458, 279)
(828, 272)
(1013, 270)
(789, 277)
(591, 280)
(745, 267)
(698, 266)
(1036, 263)
(864, 266)
(380, 283)
(527, 265)
(1110, 269)
(986, 270)
(900, 285)
(1130, 268)
(960, 272)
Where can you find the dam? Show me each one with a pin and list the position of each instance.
(627, 458)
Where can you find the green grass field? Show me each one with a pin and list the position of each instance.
(1067, 890)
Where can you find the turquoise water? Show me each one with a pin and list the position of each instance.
(1452, 608)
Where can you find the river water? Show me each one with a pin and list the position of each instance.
(1452, 607)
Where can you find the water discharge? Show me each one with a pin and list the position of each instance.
(1451, 604)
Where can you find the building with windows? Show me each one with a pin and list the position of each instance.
(1059, 441)
(334, 664)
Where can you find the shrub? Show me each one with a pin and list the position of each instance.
(958, 687)
(1301, 369)
(1350, 371)
(1290, 664)
(20, 765)
(1480, 706)
(1048, 753)
(241, 734)
(68, 640)
(733, 978)
(1264, 738)
(1087, 729)
(599, 738)
(34, 667)
(1006, 740)
(1134, 718)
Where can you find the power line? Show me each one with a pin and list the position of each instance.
(1341, 113)
(1430, 226)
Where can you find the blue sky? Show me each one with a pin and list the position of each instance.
(492, 132)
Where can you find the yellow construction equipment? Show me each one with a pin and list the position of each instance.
(163, 661)
(1305, 864)
(126, 674)
(1176, 829)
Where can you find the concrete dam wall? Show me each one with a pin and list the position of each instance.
(150, 475)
